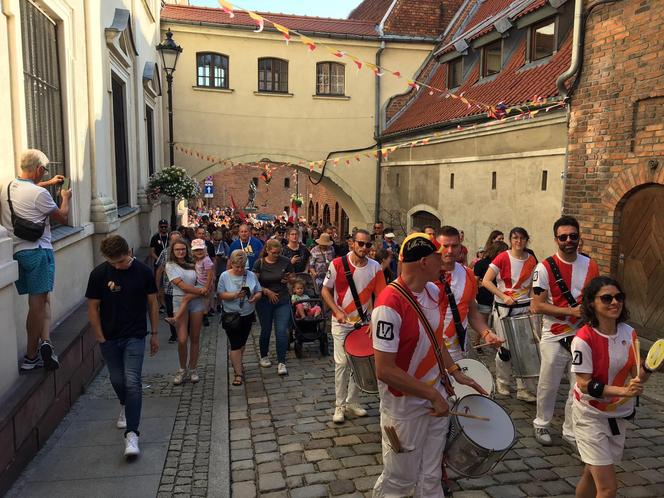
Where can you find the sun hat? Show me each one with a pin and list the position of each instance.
(389, 235)
(324, 240)
(197, 244)
(418, 245)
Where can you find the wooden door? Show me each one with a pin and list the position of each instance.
(641, 262)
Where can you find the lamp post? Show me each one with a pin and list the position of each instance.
(170, 51)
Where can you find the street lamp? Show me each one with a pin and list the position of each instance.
(170, 51)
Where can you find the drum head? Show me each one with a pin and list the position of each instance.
(476, 371)
(359, 343)
(497, 434)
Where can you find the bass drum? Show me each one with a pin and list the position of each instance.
(359, 351)
(474, 447)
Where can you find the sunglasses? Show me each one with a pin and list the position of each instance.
(361, 243)
(608, 298)
(565, 236)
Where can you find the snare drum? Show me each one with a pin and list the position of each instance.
(476, 371)
(359, 351)
(523, 343)
(474, 447)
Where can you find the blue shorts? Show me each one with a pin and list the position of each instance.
(195, 305)
(36, 271)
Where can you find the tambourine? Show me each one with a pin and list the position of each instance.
(655, 358)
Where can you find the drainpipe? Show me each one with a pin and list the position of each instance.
(377, 129)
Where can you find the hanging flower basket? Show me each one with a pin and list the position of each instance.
(172, 182)
(297, 200)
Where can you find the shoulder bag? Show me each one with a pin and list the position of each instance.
(24, 229)
(230, 320)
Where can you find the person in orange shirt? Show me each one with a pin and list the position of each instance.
(368, 278)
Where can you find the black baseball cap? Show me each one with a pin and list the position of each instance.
(418, 245)
(163, 222)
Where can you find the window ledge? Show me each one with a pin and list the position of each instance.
(126, 211)
(331, 97)
(273, 94)
(486, 79)
(63, 231)
(212, 89)
(537, 63)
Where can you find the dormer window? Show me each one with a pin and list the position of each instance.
(542, 40)
(492, 58)
(455, 72)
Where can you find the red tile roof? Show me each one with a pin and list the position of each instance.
(349, 27)
(370, 10)
(513, 85)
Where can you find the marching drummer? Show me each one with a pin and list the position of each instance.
(608, 378)
(513, 272)
(458, 288)
(413, 397)
(350, 284)
(558, 283)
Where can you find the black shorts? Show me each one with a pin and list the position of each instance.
(238, 337)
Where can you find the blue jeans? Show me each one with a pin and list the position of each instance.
(279, 314)
(124, 358)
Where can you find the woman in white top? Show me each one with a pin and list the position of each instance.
(181, 274)
(513, 272)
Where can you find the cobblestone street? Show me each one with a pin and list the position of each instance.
(282, 440)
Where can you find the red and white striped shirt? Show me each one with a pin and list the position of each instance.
(513, 276)
(609, 359)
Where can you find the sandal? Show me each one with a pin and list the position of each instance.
(239, 378)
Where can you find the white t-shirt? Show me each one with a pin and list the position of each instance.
(32, 202)
(609, 359)
(174, 270)
(513, 276)
(396, 328)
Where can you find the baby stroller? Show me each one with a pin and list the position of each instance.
(309, 328)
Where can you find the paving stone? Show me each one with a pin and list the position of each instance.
(294, 482)
(271, 482)
(637, 492)
(267, 457)
(351, 473)
(512, 477)
(293, 458)
(651, 475)
(289, 448)
(340, 452)
(320, 477)
(508, 491)
(325, 465)
(315, 444)
(265, 447)
(358, 461)
(341, 486)
(365, 483)
(557, 487)
(315, 491)
(543, 475)
(303, 468)
(241, 475)
(315, 455)
(347, 440)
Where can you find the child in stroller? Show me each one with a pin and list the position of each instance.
(304, 308)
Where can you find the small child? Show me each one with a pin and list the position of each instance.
(204, 278)
(303, 310)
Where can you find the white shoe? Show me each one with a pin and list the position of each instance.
(122, 420)
(502, 389)
(179, 377)
(193, 376)
(542, 436)
(356, 410)
(281, 369)
(265, 362)
(131, 445)
(338, 416)
(526, 396)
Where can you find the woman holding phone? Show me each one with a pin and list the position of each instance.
(274, 272)
(239, 290)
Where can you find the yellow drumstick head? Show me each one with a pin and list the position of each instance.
(655, 356)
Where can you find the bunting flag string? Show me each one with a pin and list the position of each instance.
(498, 111)
(383, 153)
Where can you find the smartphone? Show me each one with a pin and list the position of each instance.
(65, 184)
(247, 291)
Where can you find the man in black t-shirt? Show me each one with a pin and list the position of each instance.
(159, 241)
(120, 292)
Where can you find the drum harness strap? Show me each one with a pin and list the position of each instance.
(565, 342)
(458, 324)
(444, 379)
(353, 291)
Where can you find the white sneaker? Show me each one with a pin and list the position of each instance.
(526, 396)
(356, 410)
(193, 376)
(281, 369)
(122, 420)
(338, 416)
(179, 377)
(542, 436)
(502, 389)
(131, 445)
(265, 362)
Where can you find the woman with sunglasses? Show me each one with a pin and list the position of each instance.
(607, 381)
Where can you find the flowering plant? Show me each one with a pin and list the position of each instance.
(297, 200)
(172, 182)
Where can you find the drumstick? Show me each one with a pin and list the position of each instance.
(468, 415)
(394, 438)
(637, 355)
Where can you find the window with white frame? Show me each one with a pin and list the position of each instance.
(542, 41)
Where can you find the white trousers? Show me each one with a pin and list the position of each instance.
(345, 389)
(418, 472)
(556, 362)
(504, 368)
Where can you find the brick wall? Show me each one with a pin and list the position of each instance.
(616, 133)
(273, 197)
(397, 102)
